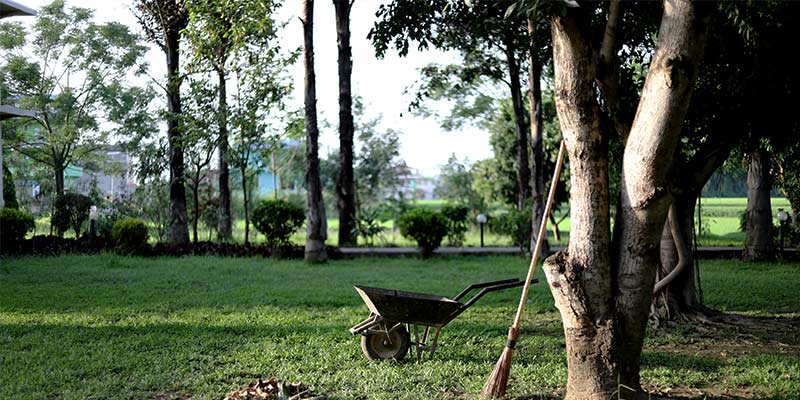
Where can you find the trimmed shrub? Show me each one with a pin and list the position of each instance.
(14, 225)
(426, 226)
(457, 223)
(278, 220)
(71, 210)
(130, 235)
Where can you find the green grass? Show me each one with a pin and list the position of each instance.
(77, 327)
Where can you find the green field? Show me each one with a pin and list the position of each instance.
(105, 327)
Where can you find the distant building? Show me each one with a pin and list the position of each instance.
(113, 181)
(270, 178)
(416, 186)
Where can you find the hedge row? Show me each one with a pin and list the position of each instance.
(53, 245)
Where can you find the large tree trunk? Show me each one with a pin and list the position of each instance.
(345, 185)
(604, 296)
(758, 243)
(580, 277)
(537, 145)
(224, 223)
(675, 293)
(676, 271)
(523, 170)
(316, 232)
(178, 221)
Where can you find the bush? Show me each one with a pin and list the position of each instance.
(130, 235)
(368, 224)
(458, 223)
(426, 226)
(71, 210)
(14, 225)
(277, 220)
(515, 224)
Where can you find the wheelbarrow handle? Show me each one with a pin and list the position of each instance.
(483, 285)
(494, 288)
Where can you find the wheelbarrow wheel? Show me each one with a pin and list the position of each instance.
(380, 346)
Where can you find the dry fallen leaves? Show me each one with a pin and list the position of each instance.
(272, 389)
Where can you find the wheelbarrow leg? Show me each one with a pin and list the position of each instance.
(419, 345)
(435, 341)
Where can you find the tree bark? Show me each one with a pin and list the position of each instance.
(537, 138)
(58, 170)
(178, 224)
(758, 242)
(345, 184)
(316, 231)
(196, 198)
(580, 277)
(649, 152)
(523, 170)
(246, 207)
(224, 223)
(603, 289)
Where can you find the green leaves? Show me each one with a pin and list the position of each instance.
(12, 35)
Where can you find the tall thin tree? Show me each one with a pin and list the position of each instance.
(316, 232)
(163, 22)
(537, 136)
(345, 185)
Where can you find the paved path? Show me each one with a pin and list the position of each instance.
(703, 252)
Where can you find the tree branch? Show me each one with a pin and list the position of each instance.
(608, 71)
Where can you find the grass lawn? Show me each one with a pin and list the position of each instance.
(106, 327)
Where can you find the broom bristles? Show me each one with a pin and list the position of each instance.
(498, 380)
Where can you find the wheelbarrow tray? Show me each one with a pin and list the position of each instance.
(409, 307)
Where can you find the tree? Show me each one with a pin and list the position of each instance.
(602, 284)
(492, 47)
(261, 85)
(216, 30)
(345, 183)
(72, 78)
(538, 57)
(744, 76)
(456, 185)
(163, 21)
(317, 230)
(766, 27)
(198, 143)
(378, 165)
(209, 32)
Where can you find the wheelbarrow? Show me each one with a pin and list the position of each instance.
(394, 313)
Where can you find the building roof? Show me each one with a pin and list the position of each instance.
(7, 112)
(10, 8)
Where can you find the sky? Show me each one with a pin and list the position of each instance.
(380, 83)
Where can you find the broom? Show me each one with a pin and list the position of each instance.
(498, 380)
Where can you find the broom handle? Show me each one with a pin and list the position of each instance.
(540, 236)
